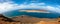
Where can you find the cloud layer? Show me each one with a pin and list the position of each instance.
(8, 5)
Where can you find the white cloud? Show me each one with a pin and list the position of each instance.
(9, 5)
(39, 6)
(32, 6)
(49, 8)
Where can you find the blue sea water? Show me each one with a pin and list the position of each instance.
(39, 15)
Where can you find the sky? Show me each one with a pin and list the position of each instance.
(9, 5)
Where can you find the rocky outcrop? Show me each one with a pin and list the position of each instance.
(3, 18)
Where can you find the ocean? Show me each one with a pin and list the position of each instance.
(33, 14)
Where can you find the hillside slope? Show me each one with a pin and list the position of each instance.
(29, 19)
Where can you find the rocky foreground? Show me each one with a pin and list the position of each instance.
(5, 20)
(24, 19)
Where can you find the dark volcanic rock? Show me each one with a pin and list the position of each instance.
(3, 18)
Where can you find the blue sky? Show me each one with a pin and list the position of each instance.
(9, 5)
(49, 2)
